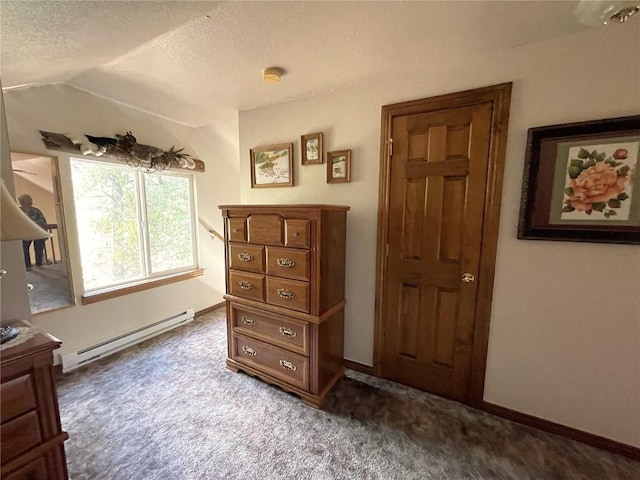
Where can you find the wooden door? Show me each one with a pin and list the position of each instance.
(440, 172)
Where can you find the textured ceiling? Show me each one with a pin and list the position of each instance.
(200, 62)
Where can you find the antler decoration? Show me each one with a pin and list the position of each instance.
(176, 156)
(147, 157)
(124, 148)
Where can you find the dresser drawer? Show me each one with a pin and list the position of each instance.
(36, 470)
(286, 332)
(278, 362)
(17, 397)
(246, 257)
(286, 293)
(297, 233)
(265, 229)
(19, 435)
(289, 263)
(248, 285)
(237, 230)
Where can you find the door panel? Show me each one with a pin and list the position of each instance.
(445, 330)
(409, 321)
(437, 180)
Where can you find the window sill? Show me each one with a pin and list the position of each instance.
(108, 293)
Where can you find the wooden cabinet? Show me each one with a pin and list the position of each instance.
(285, 294)
(32, 438)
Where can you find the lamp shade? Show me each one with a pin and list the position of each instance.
(14, 223)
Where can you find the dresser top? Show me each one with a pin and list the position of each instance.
(40, 342)
(285, 206)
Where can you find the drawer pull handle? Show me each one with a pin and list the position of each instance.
(294, 234)
(249, 351)
(285, 262)
(245, 285)
(284, 293)
(247, 320)
(245, 257)
(235, 230)
(287, 332)
(287, 365)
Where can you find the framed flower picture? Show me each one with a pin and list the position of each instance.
(272, 166)
(339, 166)
(582, 182)
(311, 148)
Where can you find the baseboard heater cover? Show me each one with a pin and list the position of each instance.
(77, 359)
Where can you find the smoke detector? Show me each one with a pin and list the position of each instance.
(272, 74)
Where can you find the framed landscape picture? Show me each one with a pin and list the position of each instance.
(339, 166)
(582, 182)
(272, 166)
(311, 148)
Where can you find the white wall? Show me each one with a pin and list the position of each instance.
(13, 284)
(65, 109)
(565, 341)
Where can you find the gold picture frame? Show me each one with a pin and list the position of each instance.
(311, 151)
(272, 166)
(339, 166)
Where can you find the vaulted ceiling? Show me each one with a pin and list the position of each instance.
(199, 62)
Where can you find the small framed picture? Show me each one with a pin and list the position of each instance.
(272, 166)
(581, 182)
(311, 147)
(339, 166)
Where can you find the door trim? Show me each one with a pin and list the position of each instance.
(500, 97)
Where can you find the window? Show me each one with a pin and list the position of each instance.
(132, 225)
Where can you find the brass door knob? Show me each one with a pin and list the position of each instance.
(468, 277)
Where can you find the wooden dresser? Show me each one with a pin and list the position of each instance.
(285, 295)
(32, 438)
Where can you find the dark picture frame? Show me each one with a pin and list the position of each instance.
(582, 182)
(339, 166)
(311, 149)
(272, 166)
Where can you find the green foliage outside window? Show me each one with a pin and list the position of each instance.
(131, 224)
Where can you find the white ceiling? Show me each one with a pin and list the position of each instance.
(200, 62)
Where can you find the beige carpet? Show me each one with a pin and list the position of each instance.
(169, 409)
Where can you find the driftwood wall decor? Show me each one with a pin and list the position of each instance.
(123, 148)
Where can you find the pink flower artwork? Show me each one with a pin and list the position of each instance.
(599, 182)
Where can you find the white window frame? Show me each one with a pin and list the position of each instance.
(145, 251)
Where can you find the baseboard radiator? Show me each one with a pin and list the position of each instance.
(77, 359)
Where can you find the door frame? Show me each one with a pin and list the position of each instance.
(500, 97)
